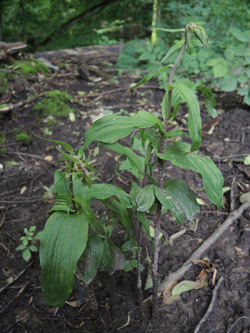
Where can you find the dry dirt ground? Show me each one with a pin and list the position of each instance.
(27, 168)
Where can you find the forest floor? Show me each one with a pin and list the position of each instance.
(27, 167)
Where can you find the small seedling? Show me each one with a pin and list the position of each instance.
(28, 241)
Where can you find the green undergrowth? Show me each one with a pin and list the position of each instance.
(54, 104)
(22, 136)
(3, 82)
(31, 66)
(2, 142)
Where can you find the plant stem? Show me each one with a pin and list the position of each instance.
(160, 184)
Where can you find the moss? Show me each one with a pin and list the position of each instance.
(3, 82)
(2, 142)
(31, 66)
(54, 104)
(22, 136)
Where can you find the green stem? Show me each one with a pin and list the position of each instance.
(160, 184)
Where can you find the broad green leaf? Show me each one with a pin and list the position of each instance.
(179, 154)
(94, 222)
(247, 99)
(187, 285)
(174, 48)
(170, 30)
(142, 197)
(220, 70)
(133, 158)
(229, 83)
(209, 100)
(242, 91)
(194, 119)
(102, 192)
(213, 62)
(90, 260)
(108, 255)
(178, 198)
(164, 106)
(21, 247)
(111, 128)
(125, 216)
(149, 77)
(62, 243)
(240, 35)
(26, 255)
(129, 265)
(61, 183)
(63, 203)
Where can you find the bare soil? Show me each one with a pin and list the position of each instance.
(27, 168)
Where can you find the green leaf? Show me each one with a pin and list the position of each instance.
(247, 160)
(123, 214)
(202, 36)
(61, 183)
(145, 223)
(26, 255)
(247, 99)
(63, 203)
(111, 128)
(241, 36)
(21, 247)
(102, 192)
(174, 48)
(220, 69)
(228, 83)
(129, 265)
(142, 197)
(33, 248)
(134, 159)
(209, 100)
(32, 228)
(179, 154)
(66, 146)
(148, 77)
(184, 286)
(91, 258)
(62, 243)
(179, 199)
(108, 255)
(94, 222)
(194, 119)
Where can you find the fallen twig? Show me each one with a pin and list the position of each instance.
(211, 305)
(14, 298)
(17, 277)
(12, 107)
(204, 247)
(243, 317)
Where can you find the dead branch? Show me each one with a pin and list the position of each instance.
(204, 247)
(12, 107)
(211, 305)
(17, 277)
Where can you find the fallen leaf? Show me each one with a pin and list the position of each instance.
(239, 251)
(247, 160)
(168, 298)
(200, 201)
(23, 189)
(72, 116)
(48, 158)
(23, 316)
(245, 197)
(226, 189)
(73, 304)
(186, 285)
